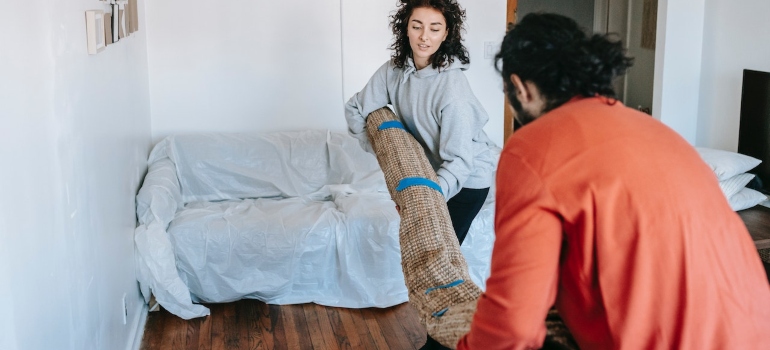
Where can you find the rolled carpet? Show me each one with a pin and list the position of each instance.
(435, 270)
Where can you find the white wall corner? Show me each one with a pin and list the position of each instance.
(733, 40)
(660, 44)
(678, 63)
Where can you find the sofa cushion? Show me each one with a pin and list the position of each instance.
(214, 167)
(291, 250)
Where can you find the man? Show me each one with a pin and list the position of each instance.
(609, 215)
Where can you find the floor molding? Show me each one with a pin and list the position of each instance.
(138, 328)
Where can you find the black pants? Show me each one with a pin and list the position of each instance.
(463, 208)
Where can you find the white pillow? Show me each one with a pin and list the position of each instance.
(746, 198)
(734, 184)
(726, 164)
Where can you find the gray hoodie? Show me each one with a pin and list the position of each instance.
(439, 109)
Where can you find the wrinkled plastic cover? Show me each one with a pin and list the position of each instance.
(285, 217)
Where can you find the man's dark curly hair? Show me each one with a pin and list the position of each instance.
(554, 53)
(451, 47)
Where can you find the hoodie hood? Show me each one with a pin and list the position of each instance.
(438, 107)
(428, 71)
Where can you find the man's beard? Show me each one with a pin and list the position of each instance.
(522, 117)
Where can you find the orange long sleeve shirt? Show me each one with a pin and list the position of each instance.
(615, 218)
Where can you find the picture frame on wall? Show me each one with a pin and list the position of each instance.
(127, 14)
(108, 28)
(115, 22)
(95, 31)
(134, 15)
(122, 33)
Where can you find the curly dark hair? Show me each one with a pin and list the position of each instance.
(451, 47)
(555, 54)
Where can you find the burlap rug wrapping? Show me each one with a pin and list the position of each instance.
(435, 271)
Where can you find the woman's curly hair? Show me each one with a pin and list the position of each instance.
(554, 53)
(451, 47)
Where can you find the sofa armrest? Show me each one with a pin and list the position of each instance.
(156, 205)
(160, 196)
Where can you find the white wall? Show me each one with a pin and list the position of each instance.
(678, 57)
(486, 23)
(736, 37)
(74, 137)
(366, 36)
(244, 65)
(267, 65)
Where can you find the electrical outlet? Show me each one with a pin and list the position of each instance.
(125, 308)
(490, 48)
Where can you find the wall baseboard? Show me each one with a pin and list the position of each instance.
(137, 330)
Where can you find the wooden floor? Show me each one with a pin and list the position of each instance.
(251, 324)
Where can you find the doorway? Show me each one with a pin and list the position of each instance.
(633, 21)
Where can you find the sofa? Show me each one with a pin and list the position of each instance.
(283, 217)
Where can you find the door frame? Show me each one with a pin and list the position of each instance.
(510, 20)
(610, 16)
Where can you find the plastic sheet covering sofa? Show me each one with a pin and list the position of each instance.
(285, 217)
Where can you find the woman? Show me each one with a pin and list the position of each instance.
(425, 84)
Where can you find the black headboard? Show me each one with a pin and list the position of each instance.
(754, 132)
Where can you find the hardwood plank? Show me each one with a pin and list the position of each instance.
(192, 335)
(233, 329)
(409, 320)
(300, 323)
(336, 328)
(251, 319)
(175, 334)
(292, 335)
(332, 339)
(378, 339)
(217, 327)
(392, 330)
(265, 325)
(154, 330)
(279, 331)
(251, 324)
(344, 327)
(243, 315)
(362, 329)
(179, 334)
(314, 328)
(204, 336)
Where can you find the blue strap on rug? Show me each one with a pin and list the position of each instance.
(417, 181)
(440, 313)
(390, 124)
(449, 285)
